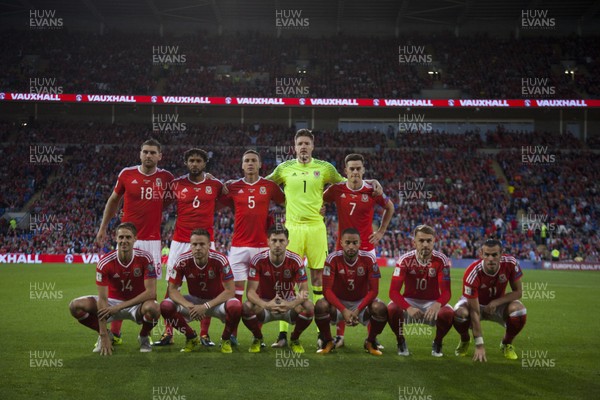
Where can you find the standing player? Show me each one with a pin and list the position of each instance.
(355, 208)
(425, 275)
(304, 180)
(272, 279)
(351, 284)
(211, 292)
(196, 195)
(484, 298)
(126, 281)
(250, 197)
(143, 188)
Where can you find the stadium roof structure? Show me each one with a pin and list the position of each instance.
(336, 15)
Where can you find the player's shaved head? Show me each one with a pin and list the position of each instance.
(350, 231)
(251, 152)
(129, 226)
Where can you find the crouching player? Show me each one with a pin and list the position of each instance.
(126, 281)
(272, 279)
(425, 275)
(484, 298)
(351, 284)
(211, 292)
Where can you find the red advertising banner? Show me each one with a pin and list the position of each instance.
(14, 258)
(300, 102)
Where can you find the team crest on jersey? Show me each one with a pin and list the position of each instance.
(360, 271)
(432, 272)
(317, 174)
(502, 278)
(287, 274)
(158, 182)
(208, 190)
(211, 274)
(365, 198)
(326, 270)
(137, 272)
(263, 190)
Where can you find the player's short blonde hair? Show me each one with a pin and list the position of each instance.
(429, 230)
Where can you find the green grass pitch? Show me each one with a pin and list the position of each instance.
(47, 354)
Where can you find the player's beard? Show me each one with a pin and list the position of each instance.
(195, 174)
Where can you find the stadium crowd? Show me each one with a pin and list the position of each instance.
(343, 66)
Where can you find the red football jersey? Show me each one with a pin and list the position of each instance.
(477, 283)
(143, 197)
(358, 281)
(251, 205)
(422, 282)
(195, 206)
(281, 279)
(205, 282)
(125, 281)
(355, 209)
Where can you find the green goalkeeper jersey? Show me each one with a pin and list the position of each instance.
(303, 187)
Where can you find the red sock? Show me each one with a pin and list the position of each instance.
(168, 326)
(204, 325)
(462, 327)
(238, 296)
(375, 328)
(169, 312)
(147, 326)
(302, 322)
(89, 320)
(251, 323)
(396, 321)
(233, 313)
(513, 327)
(443, 324)
(115, 327)
(322, 322)
(341, 328)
